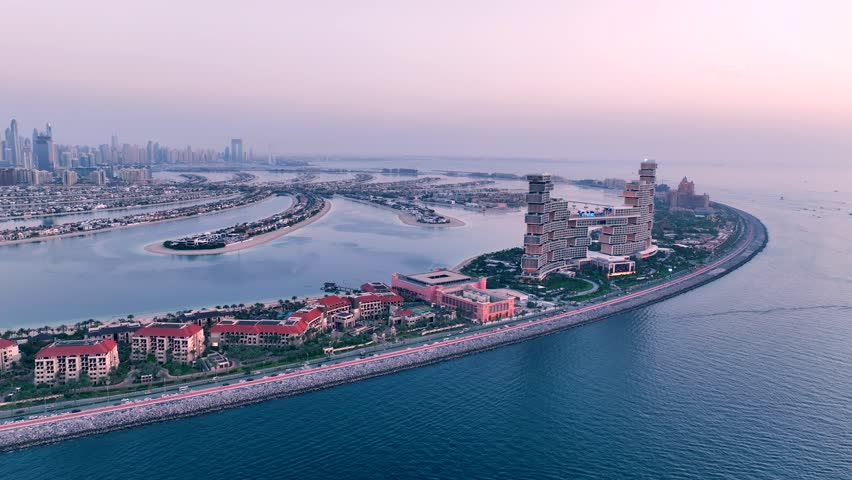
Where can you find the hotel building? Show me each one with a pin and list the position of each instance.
(120, 332)
(333, 304)
(312, 316)
(557, 237)
(267, 333)
(375, 306)
(457, 292)
(66, 360)
(10, 354)
(627, 230)
(549, 243)
(293, 330)
(684, 198)
(481, 305)
(179, 342)
(426, 286)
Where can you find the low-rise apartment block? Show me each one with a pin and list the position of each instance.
(179, 342)
(333, 304)
(10, 354)
(266, 333)
(375, 306)
(313, 318)
(67, 360)
(120, 332)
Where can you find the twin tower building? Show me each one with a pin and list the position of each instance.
(558, 237)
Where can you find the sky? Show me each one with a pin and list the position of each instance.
(751, 80)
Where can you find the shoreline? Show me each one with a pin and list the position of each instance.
(123, 227)
(252, 242)
(39, 431)
(465, 262)
(409, 219)
(114, 209)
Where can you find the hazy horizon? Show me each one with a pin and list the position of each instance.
(729, 81)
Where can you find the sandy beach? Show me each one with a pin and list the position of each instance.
(464, 263)
(250, 243)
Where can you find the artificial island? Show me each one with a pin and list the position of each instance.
(573, 266)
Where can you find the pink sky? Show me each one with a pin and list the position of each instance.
(555, 79)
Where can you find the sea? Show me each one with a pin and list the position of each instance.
(748, 377)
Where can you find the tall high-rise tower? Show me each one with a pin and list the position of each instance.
(558, 238)
(548, 244)
(43, 151)
(237, 150)
(635, 235)
(14, 145)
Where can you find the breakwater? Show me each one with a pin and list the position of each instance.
(45, 430)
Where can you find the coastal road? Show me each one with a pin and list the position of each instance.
(710, 269)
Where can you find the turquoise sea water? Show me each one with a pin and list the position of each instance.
(747, 377)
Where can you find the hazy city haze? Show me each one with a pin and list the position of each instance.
(758, 80)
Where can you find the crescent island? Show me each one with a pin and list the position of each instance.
(308, 208)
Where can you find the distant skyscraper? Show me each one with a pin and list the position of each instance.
(27, 155)
(43, 150)
(98, 177)
(69, 177)
(106, 153)
(14, 145)
(237, 150)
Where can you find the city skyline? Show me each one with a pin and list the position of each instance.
(428, 80)
(42, 152)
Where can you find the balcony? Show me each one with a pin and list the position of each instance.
(534, 218)
(533, 239)
(538, 197)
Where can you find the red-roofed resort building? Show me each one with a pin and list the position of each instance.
(258, 332)
(67, 360)
(179, 342)
(375, 306)
(10, 354)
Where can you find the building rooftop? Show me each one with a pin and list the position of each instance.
(6, 343)
(284, 327)
(438, 277)
(482, 296)
(375, 287)
(601, 257)
(332, 301)
(379, 297)
(306, 314)
(113, 328)
(64, 348)
(168, 330)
